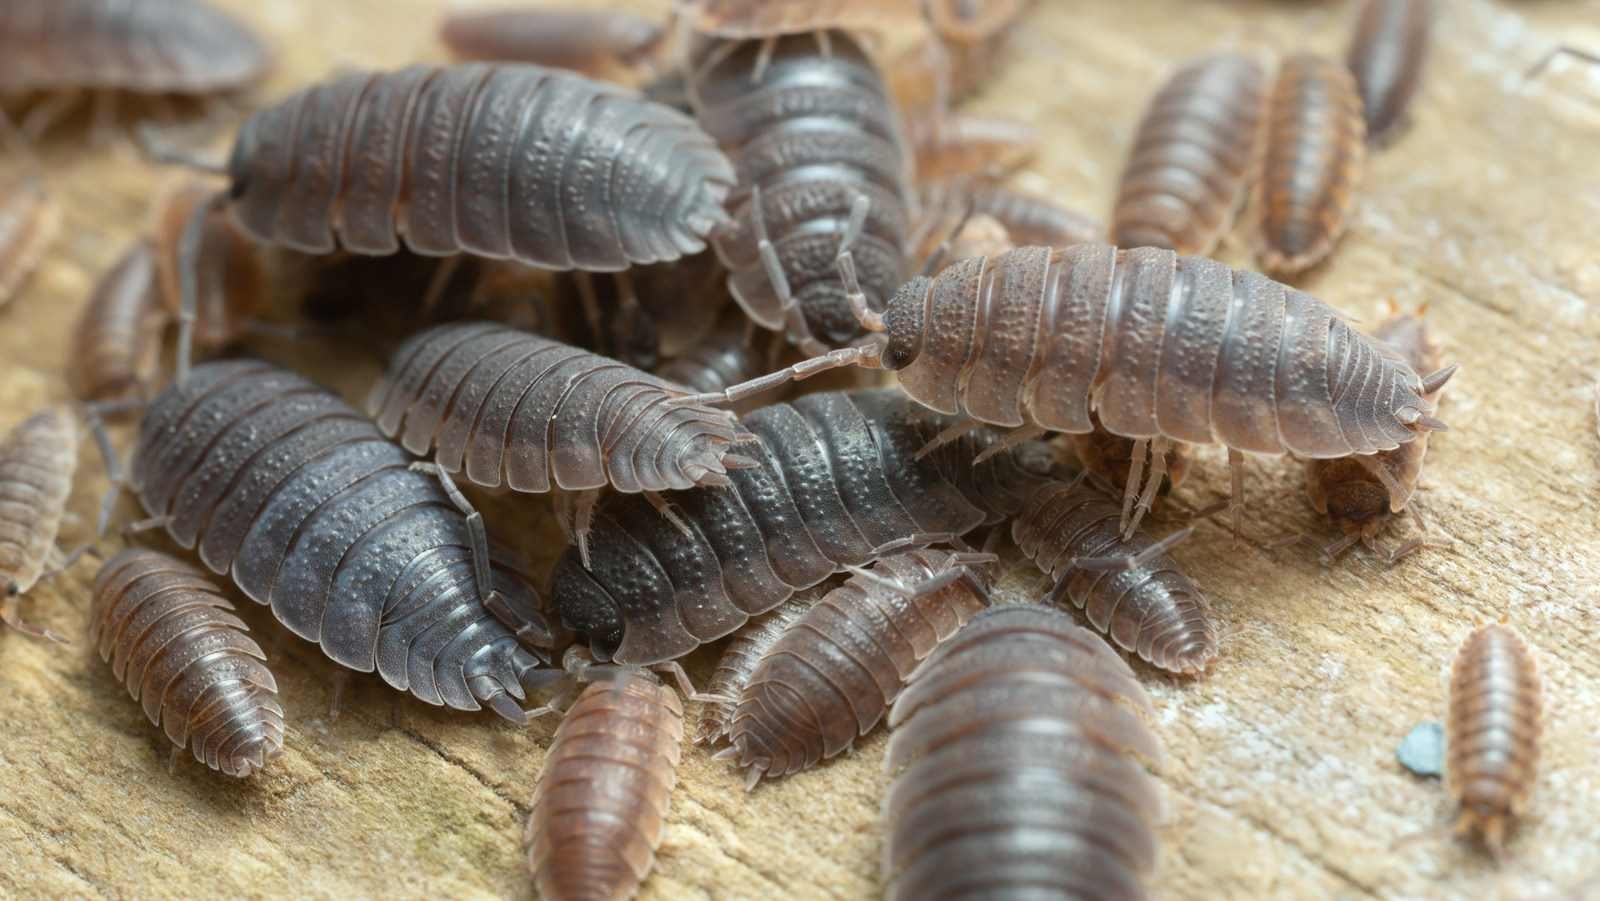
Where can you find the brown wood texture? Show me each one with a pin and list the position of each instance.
(1283, 781)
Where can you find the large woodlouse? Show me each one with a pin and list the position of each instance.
(176, 644)
(315, 513)
(37, 460)
(822, 169)
(1017, 783)
(609, 45)
(836, 668)
(1127, 587)
(30, 216)
(1311, 164)
(1386, 54)
(839, 483)
(1193, 156)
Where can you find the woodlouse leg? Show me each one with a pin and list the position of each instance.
(799, 329)
(144, 525)
(1391, 555)
(1130, 492)
(188, 263)
(931, 264)
(475, 528)
(665, 509)
(680, 676)
(155, 147)
(341, 678)
(1545, 61)
(49, 112)
(763, 59)
(172, 760)
(556, 700)
(1129, 561)
(1158, 471)
(64, 563)
(911, 541)
(446, 270)
(10, 616)
(582, 520)
(948, 435)
(1236, 500)
(108, 456)
(278, 643)
(1009, 440)
(1331, 551)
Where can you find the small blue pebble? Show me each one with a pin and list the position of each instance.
(1422, 751)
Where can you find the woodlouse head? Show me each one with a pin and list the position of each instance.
(904, 324)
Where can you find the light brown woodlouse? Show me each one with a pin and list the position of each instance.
(739, 661)
(176, 644)
(1387, 51)
(836, 668)
(1017, 782)
(30, 217)
(116, 346)
(1311, 164)
(37, 460)
(609, 45)
(1196, 148)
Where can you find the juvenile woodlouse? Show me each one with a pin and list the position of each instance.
(1387, 50)
(1017, 783)
(1193, 156)
(1127, 587)
(316, 514)
(839, 484)
(836, 668)
(609, 45)
(37, 460)
(176, 644)
(30, 217)
(1311, 164)
(739, 661)
(116, 346)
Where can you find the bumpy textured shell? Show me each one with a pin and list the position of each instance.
(1152, 609)
(1387, 50)
(1033, 220)
(172, 640)
(604, 791)
(30, 216)
(771, 18)
(739, 661)
(509, 407)
(813, 134)
(148, 46)
(37, 460)
(837, 479)
(1311, 164)
(1017, 781)
(503, 161)
(117, 343)
(609, 44)
(315, 513)
(834, 671)
(1193, 156)
(1156, 345)
(1493, 728)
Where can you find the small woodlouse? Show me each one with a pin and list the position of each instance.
(176, 644)
(1311, 164)
(1386, 54)
(116, 346)
(839, 484)
(1195, 151)
(836, 668)
(316, 514)
(30, 217)
(37, 460)
(229, 280)
(1127, 587)
(609, 45)
(745, 650)
(1014, 737)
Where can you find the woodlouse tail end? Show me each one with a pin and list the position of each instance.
(1434, 382)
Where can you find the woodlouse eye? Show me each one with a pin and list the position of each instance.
(895, 357)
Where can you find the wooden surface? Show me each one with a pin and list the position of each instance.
(1283, 781)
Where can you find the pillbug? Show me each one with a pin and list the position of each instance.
(176, 644)
(37, 460)
(30, 217)
(1012, 744)
(116, 346)
(1386, 54)
(610, 45)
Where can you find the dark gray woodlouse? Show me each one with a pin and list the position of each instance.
(176, 644)
(30, 217)
(1387, 50)
(1014, 737)
(316, 514)
(609, 45)
(37, 460)
(839, 484)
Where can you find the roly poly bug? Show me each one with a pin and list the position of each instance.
(37, 460)
(176, 644)
(30, 217)
(836, 668)
(1127, 587)
(746, 649)
(839, 484)
(116, 346)
(822, 170)
(1014, 737)
(1311, 164)
(609, 45)
(1386, 54)
(316, 514)
(1190, 163)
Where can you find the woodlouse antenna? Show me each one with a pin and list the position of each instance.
(188, 289)
(155, 146)
(1544, 62)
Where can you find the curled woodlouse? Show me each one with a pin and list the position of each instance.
(836, 668)
(1193, 156)
(30, 217)
(1018, 783)
(1127, 587)
(316, 514)
(37, 460)
(116, 346)
(609, 45)
(822, 170)
(1311, 164)
(745, 19)
(1386, 54)
(839, 484)
(739, 661)
(176, 644)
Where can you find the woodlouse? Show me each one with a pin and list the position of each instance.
(1035, 221)
(1127, 587)
(116, 346)
(1386, 55)
(609, 45)
(836, 668)
(1014, 737)
(839, 484)
(316, 514)
(1196, 147)
(176, 644)
(1111, 457)
(739, 661)
(822, 170)
(965, 146)
(37, 460)
(30, 217)
(1311, 164)
(228, 277)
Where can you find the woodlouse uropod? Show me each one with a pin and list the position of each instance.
(1017, 782)
(315, 513)
(30, 217)
(37, 460)
(609, 45)
(839, 484)
(1387, 50)
(176, 644)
